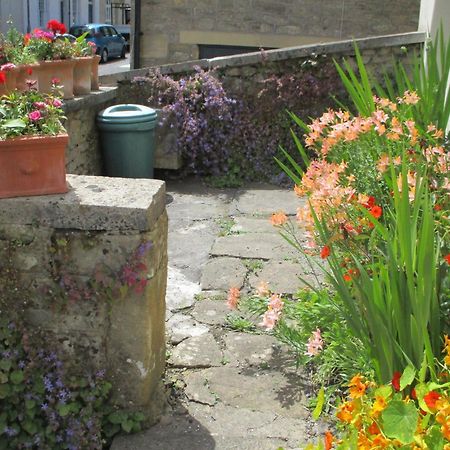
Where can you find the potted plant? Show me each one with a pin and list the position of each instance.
(85, 62)
(32, 144)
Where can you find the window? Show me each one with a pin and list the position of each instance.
(108, 11)
(42, 13)
(90, 11)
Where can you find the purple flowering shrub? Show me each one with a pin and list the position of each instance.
(235, 136)
(42, 406)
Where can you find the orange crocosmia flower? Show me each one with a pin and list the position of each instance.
(329, 438)
(325, 252)
(278, 218)
(447, 258)
(431, 398)
(376, 211)
(410, 98)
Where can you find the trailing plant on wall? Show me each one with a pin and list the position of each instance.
(233, 137)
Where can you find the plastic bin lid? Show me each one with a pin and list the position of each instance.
(127, 113)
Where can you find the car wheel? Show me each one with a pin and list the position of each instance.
(104, 56)
(124, 51)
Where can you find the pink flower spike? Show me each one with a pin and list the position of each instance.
(315, 343)
(276, 303)
(233, 298)
(55, 81)
(262, 290)
(270, 318)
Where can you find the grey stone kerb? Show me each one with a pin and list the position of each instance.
(92, 203)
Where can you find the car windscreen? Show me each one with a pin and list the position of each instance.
(78, 31)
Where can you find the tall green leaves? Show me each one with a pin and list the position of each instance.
(428, 75)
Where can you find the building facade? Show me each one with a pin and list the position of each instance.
(29, 14)
(180, 30)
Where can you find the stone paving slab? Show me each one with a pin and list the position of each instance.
(180, 327)
(283, 277)
(180, 291)
(259, 390)
(253, 245)
(197, 351)
(223, 273)
(244, 349)
(264, 201)
(244, 224)
(210, 312)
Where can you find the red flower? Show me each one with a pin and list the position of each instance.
(447, 258)
(347, 277)
(431, 398)
(2, 77)
(396, 381)
(376, 211)
(29, 71)
(26, 38)
(371, 201)
(56, 27)
(325, 253)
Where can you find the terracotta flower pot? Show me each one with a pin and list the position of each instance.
(33, 165)
(82, 75)
(62, 70)
(27, 73)
(10, 82)
(94, 72)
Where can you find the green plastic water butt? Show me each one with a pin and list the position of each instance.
(128, 140)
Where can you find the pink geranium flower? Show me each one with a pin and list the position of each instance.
(34, 116)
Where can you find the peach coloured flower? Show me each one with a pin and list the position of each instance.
(270, 318)
(315, 343)
(275, 303)
(278, 218)
(409, 98)
(233, 297)
(262, 290)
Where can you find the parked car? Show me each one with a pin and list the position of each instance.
(125, 31)
(109, 42)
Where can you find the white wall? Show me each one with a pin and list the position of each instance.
(432, 14)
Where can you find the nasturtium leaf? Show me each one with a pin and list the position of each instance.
(421, 391)
(29, 426)
(383, 391)
(434, 439)
(16, 377)
(30, 404)
(3, 378)
(400, 421)
(320, 402)
(116, 417)
(14, 123)
(407, 377)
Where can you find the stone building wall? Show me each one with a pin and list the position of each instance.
(71, 265)
(173, 29)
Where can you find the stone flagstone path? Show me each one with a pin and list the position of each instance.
(228, 389)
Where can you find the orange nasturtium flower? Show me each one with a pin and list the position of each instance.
(431, 398)
(345, 413)
(378, 406)
(357, 387)
(329, 438)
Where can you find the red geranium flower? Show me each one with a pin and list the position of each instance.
(325, 253)
(2, 77)
(396, 380)
(447, 258)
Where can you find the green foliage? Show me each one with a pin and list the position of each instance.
(239, 323)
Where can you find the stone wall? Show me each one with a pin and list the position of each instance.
(75, 265)
(83, 156)
(173, 29)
